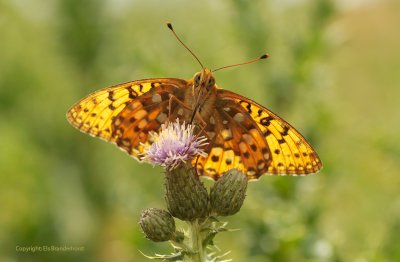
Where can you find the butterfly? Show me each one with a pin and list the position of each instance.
(241, 133)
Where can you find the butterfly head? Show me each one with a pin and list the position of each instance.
(203, 84)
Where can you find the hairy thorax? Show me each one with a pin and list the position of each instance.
(206, 105)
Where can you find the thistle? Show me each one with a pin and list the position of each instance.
(173, 146)
(187, 199)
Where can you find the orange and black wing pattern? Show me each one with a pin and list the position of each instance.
(247, 136)
(127, 113)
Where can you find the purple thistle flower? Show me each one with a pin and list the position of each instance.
(174, 145)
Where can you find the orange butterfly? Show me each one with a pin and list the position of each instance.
(241, 133)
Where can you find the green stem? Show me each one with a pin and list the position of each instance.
(196, 242)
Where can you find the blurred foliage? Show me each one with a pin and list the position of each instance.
(334, 74)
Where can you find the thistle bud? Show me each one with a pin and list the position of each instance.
(228, 193)
(186, 196)
(158, 225)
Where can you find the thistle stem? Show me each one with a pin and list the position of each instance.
(196, 242)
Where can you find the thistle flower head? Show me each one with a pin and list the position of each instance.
(174, 145)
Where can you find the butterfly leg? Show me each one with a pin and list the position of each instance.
(203, 125)
(173, 98)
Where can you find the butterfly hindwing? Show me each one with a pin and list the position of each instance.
(134, 125)
(235, 143)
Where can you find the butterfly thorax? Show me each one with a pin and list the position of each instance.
(202, 96)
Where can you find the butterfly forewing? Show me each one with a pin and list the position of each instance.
(289, 152)
(126, 113)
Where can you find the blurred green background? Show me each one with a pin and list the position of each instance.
(334, 73)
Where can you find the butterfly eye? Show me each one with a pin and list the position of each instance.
(196, 80)
(211, 83)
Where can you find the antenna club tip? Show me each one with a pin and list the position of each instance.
(169, 25)
(264, 56)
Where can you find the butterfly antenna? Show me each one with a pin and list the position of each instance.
(177, 37)
(264, 56)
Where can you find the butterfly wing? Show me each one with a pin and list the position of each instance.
(242, 133)
(125, 114)
(250, 137)
(234, 143)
